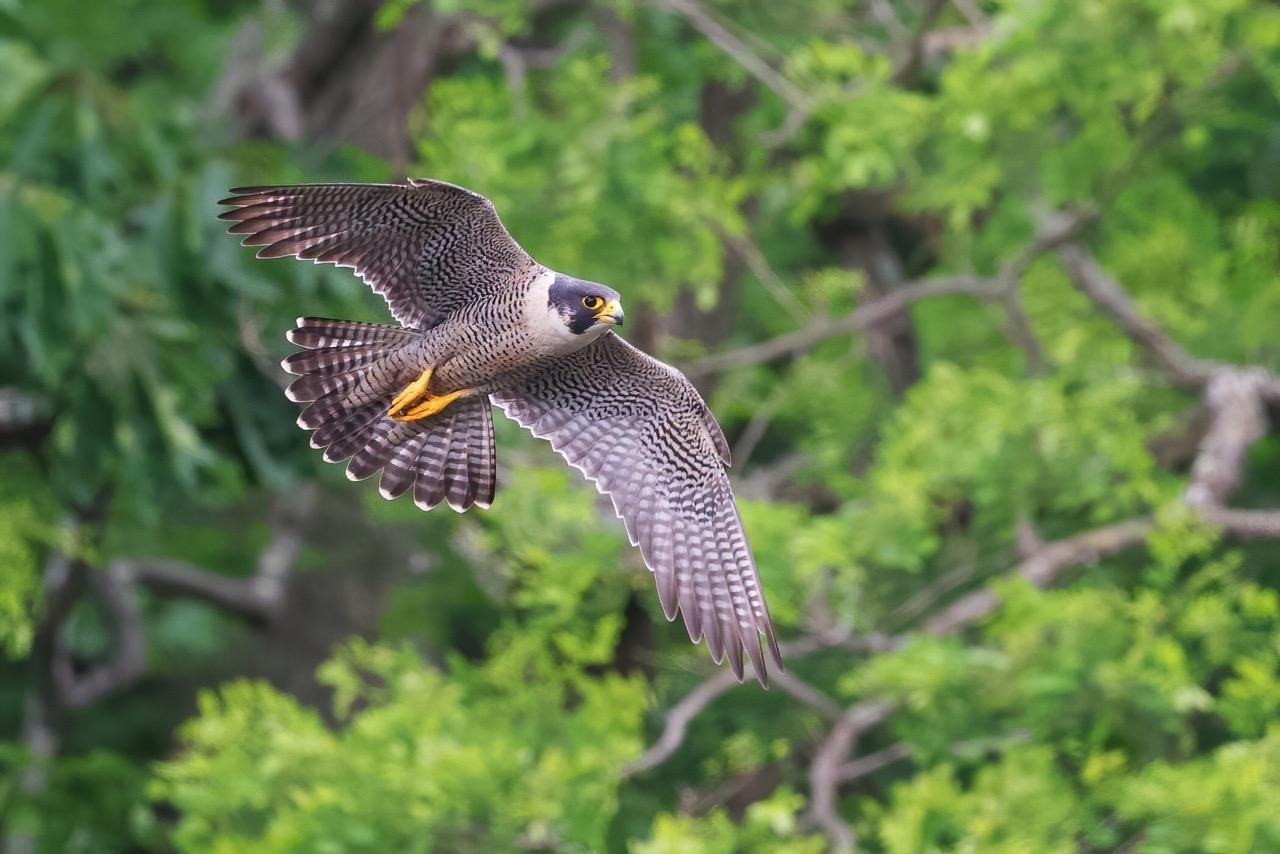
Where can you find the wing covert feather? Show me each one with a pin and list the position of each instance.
(426, 246)
(641, 432)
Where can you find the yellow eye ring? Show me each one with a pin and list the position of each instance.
(592, 302)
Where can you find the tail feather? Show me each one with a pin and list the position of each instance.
(312, 387)
(334, 360)
(315, 332)
(428, 489)
(401, 469)
(335, 435)
(383, 439)
(347, 381)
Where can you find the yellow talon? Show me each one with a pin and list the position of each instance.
(412, 393)
(415, 402)
(429, 406)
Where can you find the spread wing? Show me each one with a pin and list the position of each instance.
(640, 430)
(426, 246)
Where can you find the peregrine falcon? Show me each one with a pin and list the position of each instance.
(482, 323)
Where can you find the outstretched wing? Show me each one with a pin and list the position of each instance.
(640, 430)
(426, 246)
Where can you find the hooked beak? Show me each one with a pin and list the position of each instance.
(611, 313)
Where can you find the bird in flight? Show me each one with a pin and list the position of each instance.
(480, 323)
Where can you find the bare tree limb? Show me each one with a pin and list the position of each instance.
(1246, 524)
(723, 38)
(127, 661)
(800, 690)
(20, 410)
(620, 41)
(969, 9)
(910, 56)
(517, 59)
(43, 708)
(677, 722)
(800, 340)
(1053, 233)
(824, 773)
(865, 766)
(1237, 419)
(679, 716)
(746, 249)
(926, 597)
(1042, 569)
(1110, 297)
(258, 597)
(883, 11)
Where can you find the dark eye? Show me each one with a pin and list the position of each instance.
(592, 302)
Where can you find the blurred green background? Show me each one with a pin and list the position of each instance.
(986, 294)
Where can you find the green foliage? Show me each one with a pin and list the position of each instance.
(1133, 708)
(94, 802)
(470, 758)
(25, 526)
(769, 826)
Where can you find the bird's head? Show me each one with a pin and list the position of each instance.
(585, 306)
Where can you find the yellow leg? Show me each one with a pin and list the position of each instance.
(411, 394)
(429, 406)
(415, 402)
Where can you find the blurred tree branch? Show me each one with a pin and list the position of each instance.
(800, 340)
(1114, 301)
(679, 716)
(257, 598)
(60, 683)
(722, 37)
(999, 288)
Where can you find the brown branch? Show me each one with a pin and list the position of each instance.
(926, 597)
(734, 47)
(20, 410)
(258, 597)
(971, 13)
(677, 722)
(808, 337)
(620, 41)
(1246, 524)
(1237, 419)
(1019, 331)
(949, 39)
(1053, 233)
(824, 773)
(1178, 445)
(679, 716)
(517, 59)
(746, 249)
(800, 690)
(865, 766)
(167, 577)
(909, 59)
(127, 661)
(1042, 569)
(1110, 297)
(43, 706)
